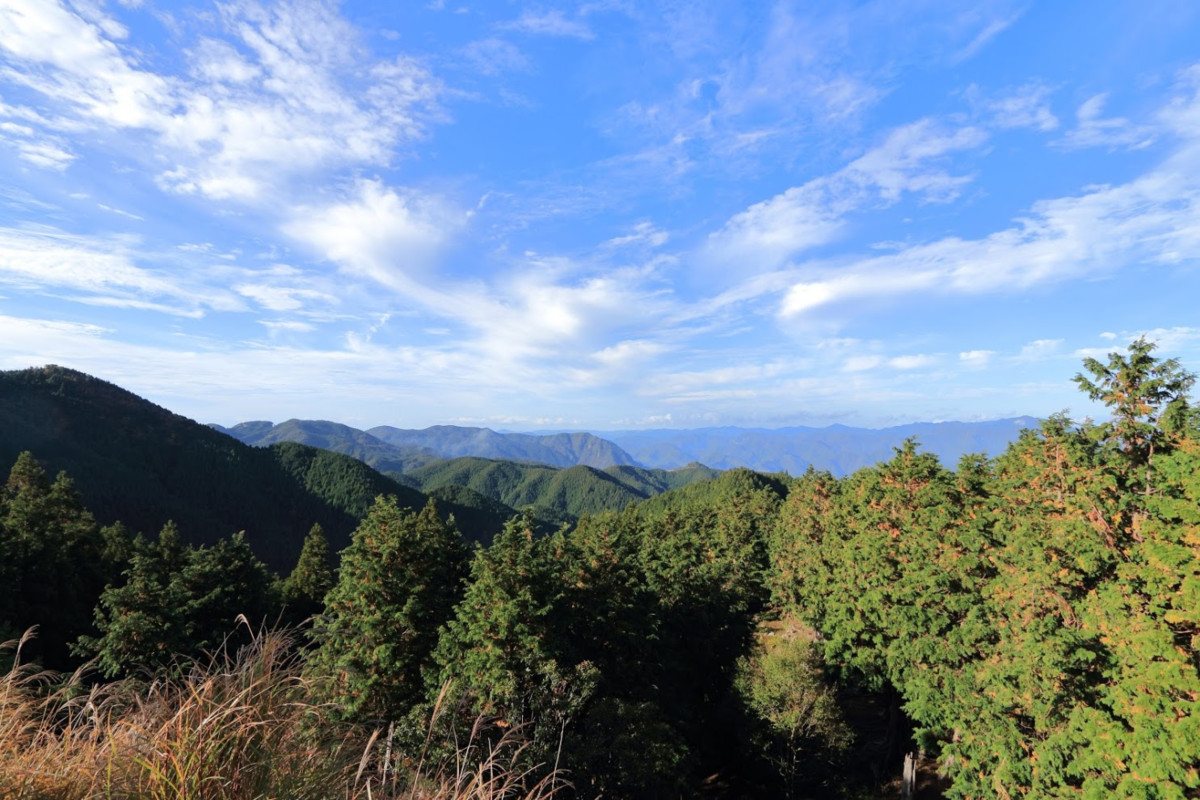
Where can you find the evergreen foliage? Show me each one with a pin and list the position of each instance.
(139, 464)
(305, 588)
(500, 648)
(551, 494)
(178, 601)
(782, 682)
(1036, 614)
(1031, 622)
(54, 560)
(397, 585)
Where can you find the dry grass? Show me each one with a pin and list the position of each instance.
(233, 728)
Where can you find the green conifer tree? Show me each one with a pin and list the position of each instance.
(51, 569)
(397, 585)
(178, 601)
(141, 622)
(305, 588)
(501, 648)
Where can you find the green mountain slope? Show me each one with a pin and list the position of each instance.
(650, 482)
(715, 493)
(565, 494)
(139, 463)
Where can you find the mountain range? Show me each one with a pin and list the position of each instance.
(557, 477)
(837, 448)
(140, 464)
(144, 465)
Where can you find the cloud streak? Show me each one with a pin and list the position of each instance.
(1151, 220)
(283, 91)
(804, 217)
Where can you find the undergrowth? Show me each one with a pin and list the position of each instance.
(236, 726)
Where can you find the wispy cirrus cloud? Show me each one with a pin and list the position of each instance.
(1092, 129)
(99, 270)
(550, 22)
(275, 92)
(749, 97)
(1151, 219)
(765, 235)
(1026, 106)
(534, 308)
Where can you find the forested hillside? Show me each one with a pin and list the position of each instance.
(1020, 626)
(140, 464)
(554, 493)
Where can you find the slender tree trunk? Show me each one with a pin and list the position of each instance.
(909, 786)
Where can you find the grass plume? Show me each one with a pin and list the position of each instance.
(232, 727)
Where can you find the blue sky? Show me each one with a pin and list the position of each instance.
(597, 215)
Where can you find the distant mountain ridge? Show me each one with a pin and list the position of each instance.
(837, 448)
(389, 449)
(555, 449)
(334, 436)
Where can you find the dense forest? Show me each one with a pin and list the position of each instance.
(1026, 625)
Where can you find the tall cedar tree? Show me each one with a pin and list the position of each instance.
(54, 561)
(621, 743)
(502, 650)
(397, 585)
(305, 588)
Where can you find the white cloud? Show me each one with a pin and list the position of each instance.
(1168, 340)
(45, 154)
(902, 164)
(494, 56)
(541, 311)
(282, 298)
(976, 358)
(748, 379)
(229, 382)
(47, 259)
(803, 217)
(991, 30)
(1039, 349)
(288, 92)
(1153, 219)
(644, 234)
(120, 212)
(69, 59)
(550, 23)
(277, 327)
(380, 233)
(917, 361)
(1093, 130)
(862, 363)
(216, 62)
(1026, 107)
(32, 143)
(628, 353)
(766, 234)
